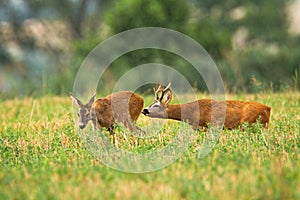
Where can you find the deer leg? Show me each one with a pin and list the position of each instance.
(130, 125)
(94, 125)
(139, 130)
(195, 125)
(112, 133)
(93, 118)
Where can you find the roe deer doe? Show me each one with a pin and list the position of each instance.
(124, 107)
(207, 111)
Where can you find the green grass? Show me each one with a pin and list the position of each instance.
(42, 157)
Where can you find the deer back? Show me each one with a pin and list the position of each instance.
(119, 106)
(237, 113)
(232, 113)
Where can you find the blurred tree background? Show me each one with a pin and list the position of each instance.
(255, 44)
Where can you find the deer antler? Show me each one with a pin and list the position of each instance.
(163, 92)
(169, 96)
(167, 88)
(157, 91)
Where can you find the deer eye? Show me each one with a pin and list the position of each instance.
(78, 114)
(155, 106)
(86, 114)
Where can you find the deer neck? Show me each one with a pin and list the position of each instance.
(174, 112)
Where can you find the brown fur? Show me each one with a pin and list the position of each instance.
(124, 107)
(237, 112)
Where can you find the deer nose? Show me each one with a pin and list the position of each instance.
(145, 111)
(81, 126)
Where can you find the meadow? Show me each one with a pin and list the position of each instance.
(43, 157)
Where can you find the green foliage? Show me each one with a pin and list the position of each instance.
(82, 47)
(131, 14)
(266, 23)
(4, 55)
(268, 58)
(215, 38)
(267, 61)
(257, 65)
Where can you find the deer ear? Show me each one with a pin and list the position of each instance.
(76, 101)
(91, 101)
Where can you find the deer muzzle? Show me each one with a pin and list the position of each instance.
(145, 112)
(82, 126)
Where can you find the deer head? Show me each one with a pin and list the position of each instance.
(84, 113)
(162, 98)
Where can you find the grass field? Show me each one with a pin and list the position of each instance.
(42, 157)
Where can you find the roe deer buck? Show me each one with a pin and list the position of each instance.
(201, 113)
(122, 107)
